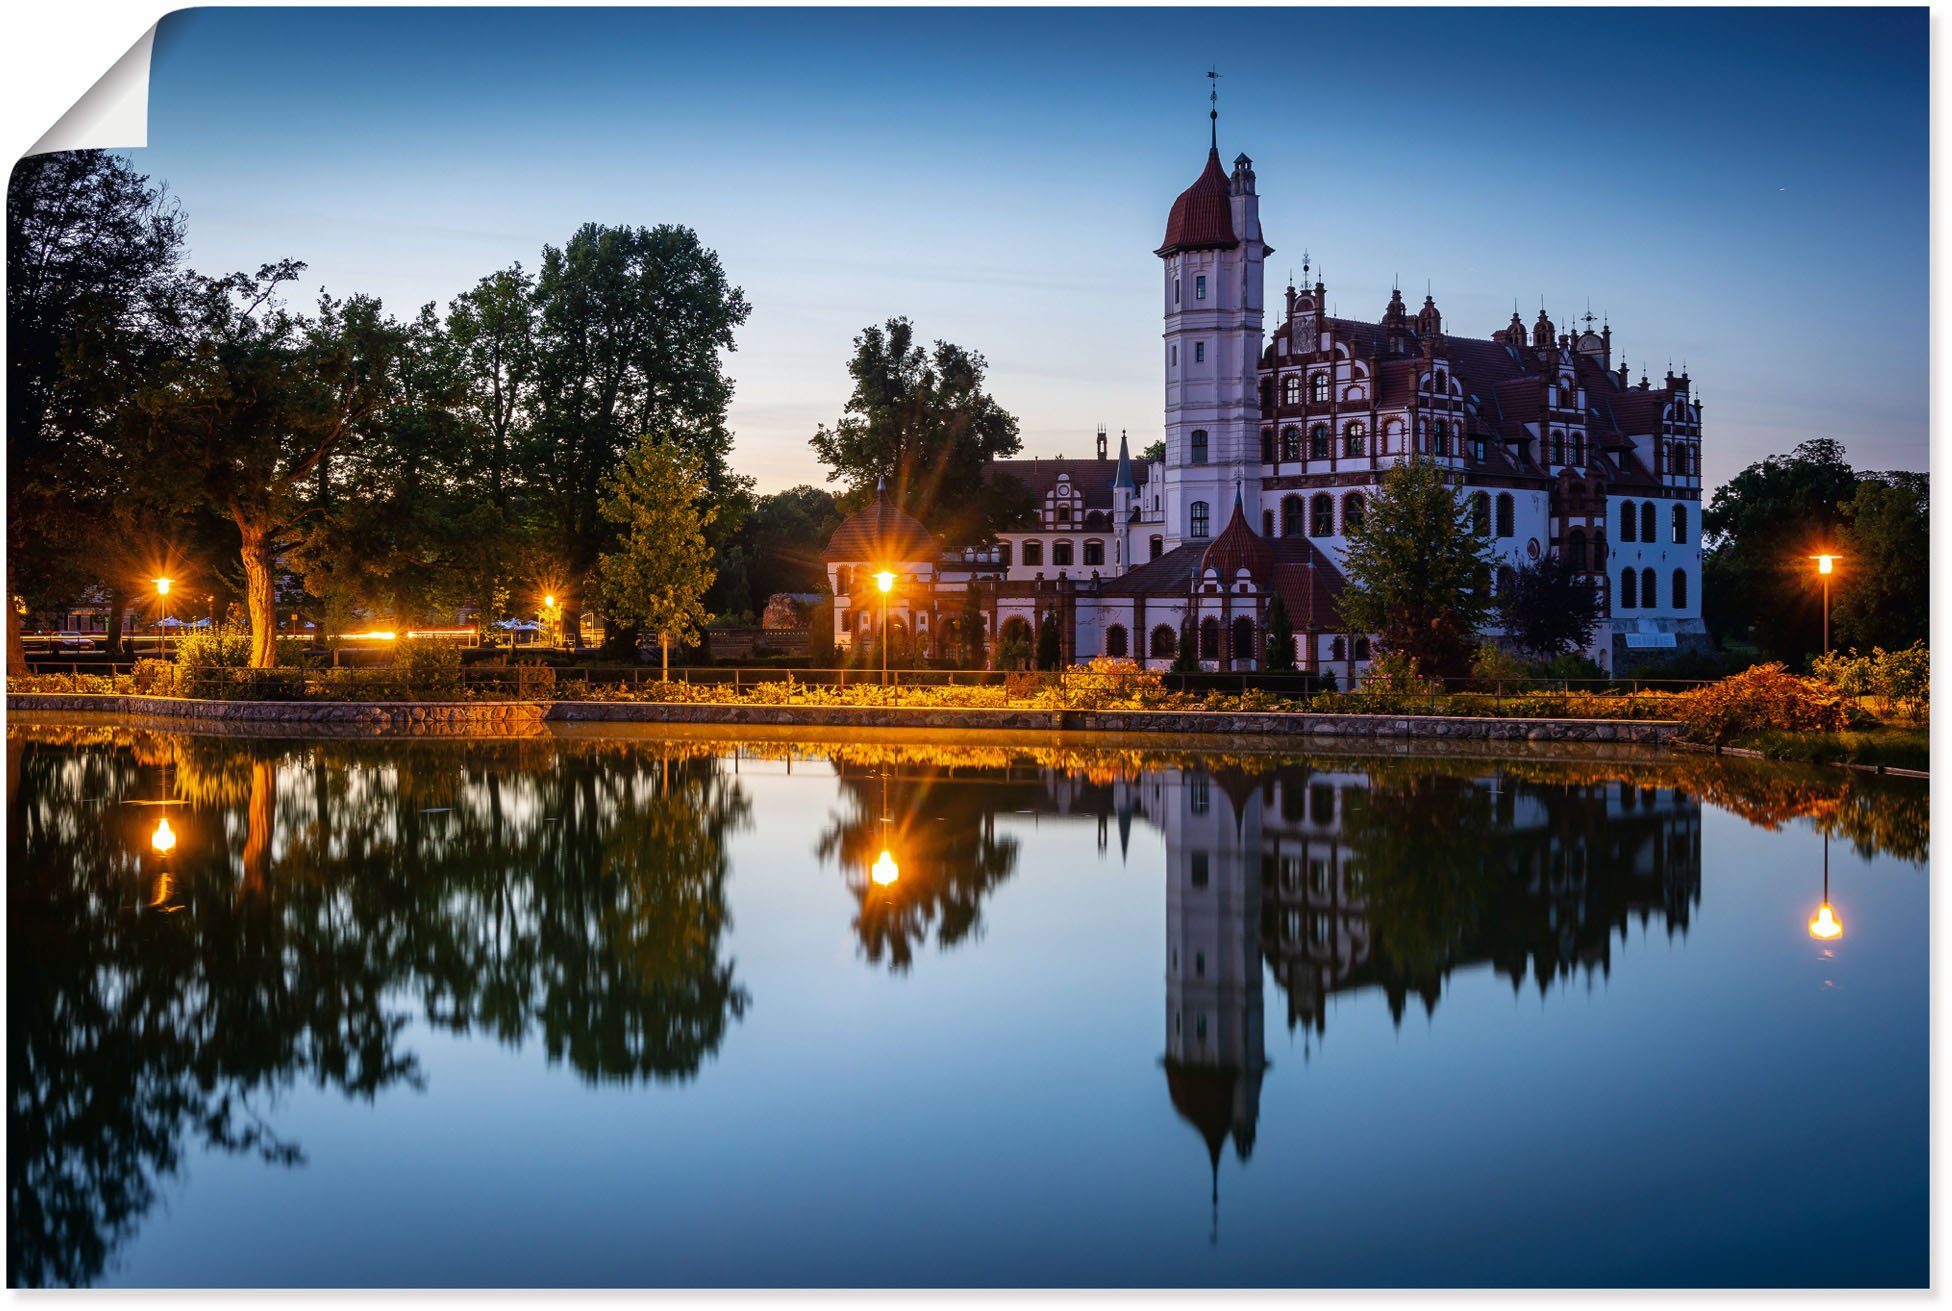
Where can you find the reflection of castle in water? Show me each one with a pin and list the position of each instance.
(1345, 881)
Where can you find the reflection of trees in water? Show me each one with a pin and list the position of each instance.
(941, 833)
(517, 890)
(1441, 871)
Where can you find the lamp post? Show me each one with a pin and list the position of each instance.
(162, 622)
(1825, 565)
(548, 609)
(886, 582)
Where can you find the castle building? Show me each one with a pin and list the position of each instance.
(1273, 444)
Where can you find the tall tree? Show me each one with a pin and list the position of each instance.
(92, 264)
(632, 327)
(657, 578)
(494, 329)
(921, 419)
(251, 411)
(1882, 596)
(1419, 576)
(1758, 584)
(1050, 643)
(972, 629)
(1548, 607)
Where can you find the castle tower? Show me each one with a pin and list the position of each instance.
(1214, 261)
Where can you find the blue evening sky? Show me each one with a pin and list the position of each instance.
(1743, 190)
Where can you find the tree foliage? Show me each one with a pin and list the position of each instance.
(1278, 637)
(657, 577)
(1419, 577)
(921, 419)
(1882, 595)
(1547, 607)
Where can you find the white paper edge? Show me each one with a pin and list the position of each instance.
(111, 115)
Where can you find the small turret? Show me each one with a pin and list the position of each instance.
(1429, 321)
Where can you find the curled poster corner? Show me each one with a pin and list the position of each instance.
(114, 113)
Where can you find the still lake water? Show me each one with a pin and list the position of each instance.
(623, 1008)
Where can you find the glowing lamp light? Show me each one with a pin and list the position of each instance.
(162, 587)
(1826, 563)
(549, 601)
(885, 871)
(1824, 925)
(885, 581)
(163, 840)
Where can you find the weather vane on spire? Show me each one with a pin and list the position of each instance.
(1213, 100)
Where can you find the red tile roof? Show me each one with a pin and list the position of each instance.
(1202, 218)
(882, 534)
(1238, 547)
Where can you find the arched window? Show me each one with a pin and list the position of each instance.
(1336, 649)
(1318, 442)
(1243, 639)
(1318, 389)
(1016, 631)
(1577, 441)
(1362, 648)
(1506, 577)
(1291, 443)
(1291, 515)
(1352, 513)
(1033, 554)
(1291, 389)
(1158, 547)
(1627, 521)
(1267, 446)
(1558, 448)
(1679, 598)
(1599, 553)
(1196, 519)
(1060, 555)
(1354, 439)
(1064, 514)
(1628, 590)
(1481, 514)
(1576, 549)
(1648, 532)
(1267, 523)
(1164, 642)
(1679, 516)
(1115, 640)
(1505, 528)
(1321, 515)
(1209, 638)
(1440, 438)
(1198, 455)
(1648, 597)
(1094, 553)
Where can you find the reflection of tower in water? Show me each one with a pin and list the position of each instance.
(1215, 1054)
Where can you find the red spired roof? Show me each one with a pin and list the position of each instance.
(1202, 217)
(881, 534)
(1239, 547)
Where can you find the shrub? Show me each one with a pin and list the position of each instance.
(154, 678)
(427, 669)
(1767, 697)
(1111, 683)
(1572, 667)
(1899, 680)
(227, 646)
(1493, 664)
(534, 681)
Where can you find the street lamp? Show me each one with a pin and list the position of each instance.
(1825, 566)
(162, 623)
(886, 582)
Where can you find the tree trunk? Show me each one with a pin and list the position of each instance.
(664, 657)
(259, 600)
(16, 653)
(118, 601)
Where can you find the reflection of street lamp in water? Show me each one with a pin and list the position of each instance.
(884, 871)
(1824, 925)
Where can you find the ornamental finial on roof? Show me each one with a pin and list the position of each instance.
(1213, 100)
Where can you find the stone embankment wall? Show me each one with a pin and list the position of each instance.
(519, 716)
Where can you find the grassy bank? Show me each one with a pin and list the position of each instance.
(1901, 748)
